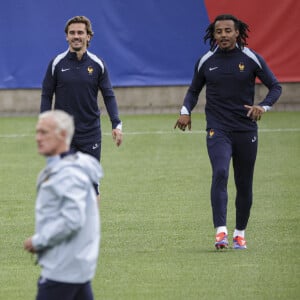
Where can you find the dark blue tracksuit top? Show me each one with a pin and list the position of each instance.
(230, 77)
(75, 84)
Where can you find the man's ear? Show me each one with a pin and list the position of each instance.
(63, 135)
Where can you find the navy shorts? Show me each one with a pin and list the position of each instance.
(50, 290)
(90, 146)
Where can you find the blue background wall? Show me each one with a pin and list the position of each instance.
(143, 42)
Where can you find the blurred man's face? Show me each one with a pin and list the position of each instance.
(50, 141)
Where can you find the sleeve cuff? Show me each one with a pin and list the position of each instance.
(35, 242)
(119, 126)
(184, 111)
(266, 108)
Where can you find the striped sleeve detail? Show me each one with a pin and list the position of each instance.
(57, 59)
(97, 60)
(252, 55)
(204, 58)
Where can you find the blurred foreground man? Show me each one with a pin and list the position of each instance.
(67, 230)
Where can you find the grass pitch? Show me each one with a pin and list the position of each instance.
(157, 232)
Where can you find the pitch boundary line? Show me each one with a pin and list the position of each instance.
(160, 132)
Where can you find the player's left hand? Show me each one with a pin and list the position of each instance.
(254, 112)
(117, 136)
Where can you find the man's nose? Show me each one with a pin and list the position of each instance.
(223, 33)
(38, 137)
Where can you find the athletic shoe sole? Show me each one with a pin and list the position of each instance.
(222, 244)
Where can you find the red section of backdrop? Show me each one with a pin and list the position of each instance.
(274, 31)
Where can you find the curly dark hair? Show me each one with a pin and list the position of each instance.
(81, 19)
(242, 27)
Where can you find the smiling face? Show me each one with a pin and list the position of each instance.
(77, 37)
(225, 34)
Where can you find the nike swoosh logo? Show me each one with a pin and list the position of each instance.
(253, 139)
(214, 68)
(64, 70)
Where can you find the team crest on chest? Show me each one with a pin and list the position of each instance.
(90, 70)
(241, 66)
(211, 133)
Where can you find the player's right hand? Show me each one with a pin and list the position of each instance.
(28, 246)
(183, 122)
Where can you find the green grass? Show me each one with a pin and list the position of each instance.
(157, 232)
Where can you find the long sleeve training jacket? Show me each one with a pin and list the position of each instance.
(75, 84)
(67, 229)
(230, 77)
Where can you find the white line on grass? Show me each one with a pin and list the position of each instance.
(203, 131)
(160, 132)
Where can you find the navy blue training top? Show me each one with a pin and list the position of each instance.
(75, 84)
(230, 77)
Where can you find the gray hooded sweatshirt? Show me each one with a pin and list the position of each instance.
(67, 231)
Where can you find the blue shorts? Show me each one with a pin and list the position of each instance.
(90, 146)
(49, 290)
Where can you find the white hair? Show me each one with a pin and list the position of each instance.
(63, 121)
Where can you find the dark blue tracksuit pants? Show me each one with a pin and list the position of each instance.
(241, 146)
(53, 290)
